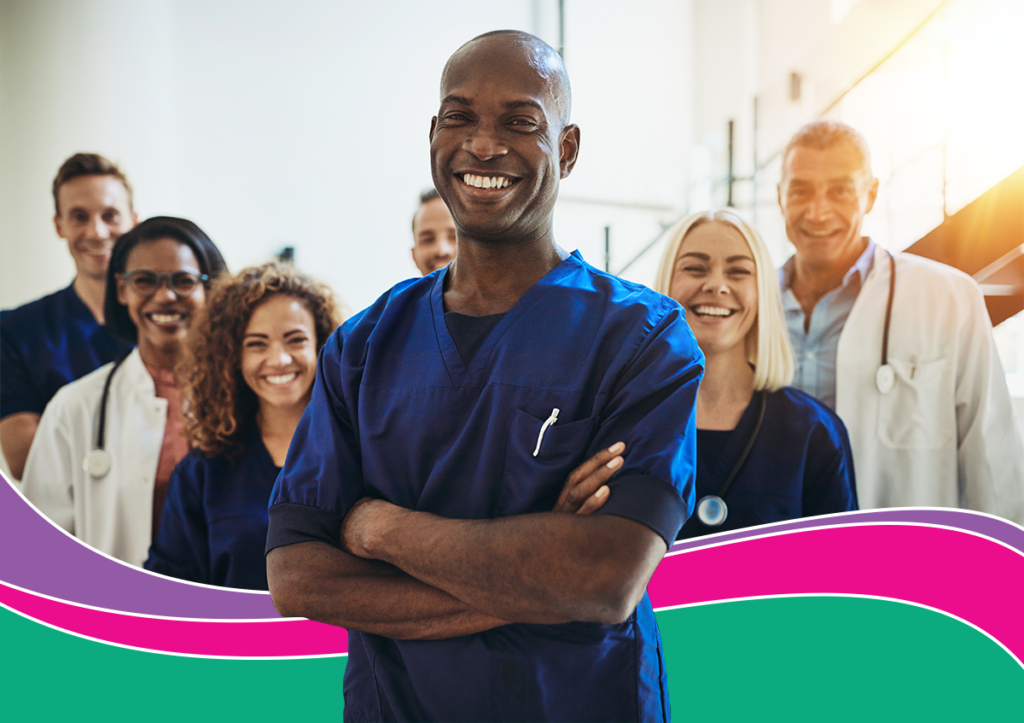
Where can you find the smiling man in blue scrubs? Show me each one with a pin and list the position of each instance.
(423, 504)
(59, 338)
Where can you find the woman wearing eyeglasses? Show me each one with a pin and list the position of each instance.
(107, 443)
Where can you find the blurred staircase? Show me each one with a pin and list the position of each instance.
(986, 240)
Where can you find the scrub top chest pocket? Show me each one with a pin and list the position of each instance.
(532, 483)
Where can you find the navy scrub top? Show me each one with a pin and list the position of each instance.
(801, 465)
(213, 528)
(47, 343)
(396, 414)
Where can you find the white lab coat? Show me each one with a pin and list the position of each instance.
(945, 436)
(114, 513)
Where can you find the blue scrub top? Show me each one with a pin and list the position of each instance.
(213, 528)
(396, 414)
(801, 465)
(47, 343)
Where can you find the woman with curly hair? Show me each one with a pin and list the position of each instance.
(248, 372)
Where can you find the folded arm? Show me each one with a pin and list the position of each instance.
(538, 568)
(324, 583)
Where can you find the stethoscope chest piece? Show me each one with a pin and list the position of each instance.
(712, 510)
(97, 463)
(885, 378)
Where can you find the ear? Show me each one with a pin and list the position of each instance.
(135, 219)
(778, 193)
(122, 292)
(433, 125)
(872, 195)
(59, 226)
(568, 148)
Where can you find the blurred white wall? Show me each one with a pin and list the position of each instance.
(305, 123)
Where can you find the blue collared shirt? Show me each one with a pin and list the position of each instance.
(816, 349)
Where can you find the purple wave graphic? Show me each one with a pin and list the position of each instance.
(40, 557)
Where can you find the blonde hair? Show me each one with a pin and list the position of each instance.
(767, 343)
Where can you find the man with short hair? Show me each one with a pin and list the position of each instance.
(900, 346)
(424, 503)
(433, 234)
(56, 339)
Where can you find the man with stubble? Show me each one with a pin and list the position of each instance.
(59, 338)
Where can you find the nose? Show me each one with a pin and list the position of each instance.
(279, 356)
(485, 143)
(819, 208)
(446, 249)
(164, 292)
(98, 230)
(714, 283)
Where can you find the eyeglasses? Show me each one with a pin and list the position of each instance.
(145, 283)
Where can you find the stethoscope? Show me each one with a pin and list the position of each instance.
(97, 462)
(712, 510)
(885, 377)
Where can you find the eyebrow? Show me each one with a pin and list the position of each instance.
(510, 105)
(845, 180)
(461, 100)
(705, 257)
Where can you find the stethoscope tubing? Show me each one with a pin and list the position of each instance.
(717, 502)
(97, 462)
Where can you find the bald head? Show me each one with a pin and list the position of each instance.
(516, 45)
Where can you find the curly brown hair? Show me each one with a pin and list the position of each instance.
(219, 406)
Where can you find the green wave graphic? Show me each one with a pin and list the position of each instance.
(785, 659)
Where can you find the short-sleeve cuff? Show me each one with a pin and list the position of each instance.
(291, 523)
(649, 501)
(14, 403)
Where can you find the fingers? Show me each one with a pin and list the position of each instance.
(595, 501)
(588, 487)
(588, 478)
(595, 462)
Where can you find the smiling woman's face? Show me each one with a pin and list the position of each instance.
(715, 280)
(279, 354)
(163, 318)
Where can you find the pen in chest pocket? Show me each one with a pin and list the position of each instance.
(544, 427)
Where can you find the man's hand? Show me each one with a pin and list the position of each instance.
(585, 491)
(365, 524)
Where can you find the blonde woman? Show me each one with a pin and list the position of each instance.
(765, 451)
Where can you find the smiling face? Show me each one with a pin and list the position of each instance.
(824, 196)
(94, 211)
(279, 354)
(715, 280)
(433, 233)
(163, 318)
(498, 146)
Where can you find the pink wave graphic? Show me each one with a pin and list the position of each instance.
(973, 578)
(961, 573)
(217, 638)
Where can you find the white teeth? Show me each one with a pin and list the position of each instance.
(485, 181)
(282, 378)
(166, 318)
(712, 311)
